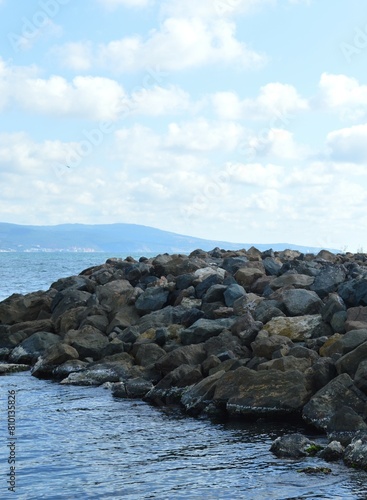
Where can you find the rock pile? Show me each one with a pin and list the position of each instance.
(246, 333)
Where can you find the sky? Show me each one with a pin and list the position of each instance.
(233, 120)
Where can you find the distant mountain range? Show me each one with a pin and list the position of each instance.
(128, 238)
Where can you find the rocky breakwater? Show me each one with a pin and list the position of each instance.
(247, 334)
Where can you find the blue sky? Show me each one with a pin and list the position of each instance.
(239, 120)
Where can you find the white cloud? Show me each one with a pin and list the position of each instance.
(180, 43)
(211, 8)
(157, 101)
(348, 145)
(275, 102)
(112, 4)
(343, 95)
(202, 135)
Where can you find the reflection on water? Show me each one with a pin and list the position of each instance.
(79, 442)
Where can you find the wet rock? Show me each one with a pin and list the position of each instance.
(51, 358)
(333, 452)
(132, 388)
(74, 365)
(13, 368)
(355, 454)
(91, 376)
(341, 391)
(291, 446)
(31, 348)
(198, 397)
(344, 424)
(261, 393)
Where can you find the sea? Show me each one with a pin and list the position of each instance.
(70, 442)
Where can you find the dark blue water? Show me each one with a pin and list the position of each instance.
(81, 443)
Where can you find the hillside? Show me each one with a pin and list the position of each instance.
(113, 238)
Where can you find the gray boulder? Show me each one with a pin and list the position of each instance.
(148, 354)
(264, 347)
(153, 299)
(344, 424)
(204, 329)
(232, 293)
(51, 358)
(349, 362)
(89, 342)
(268, 393)
(198, 397)
(189, 355)
(291, 446)
(355, 454)
(299, 302)
(340, 391)
(328, 279)
(31, 348)
(296, 280)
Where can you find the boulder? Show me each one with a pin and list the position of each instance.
(298, 328)
(328, 279)
(132, 388)
(268, 393)
(354, 292)
(215, 294)
(246, 276)
(13, 368)
(148, 354)
(51, 358)
(272, 266)
(19, 308)
(91, 376)
(355, 454)
(349, 362)
(333, 452)
(344, 424)
(198, 397)
(333, 304)
(295, 280)
(89, 342)
(74, 365)
(204, 329)
(360, 378)
(320, 374)
(31, 348)
(114, 295)
(68, 299)
(264, 347)
(189, 355)
(356, 318)
(286, 363)
(291, 446)
(341, 391)
(232, 293)
(299, 302)
(153, 299)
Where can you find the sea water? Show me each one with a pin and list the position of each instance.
(81, 443)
